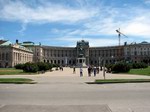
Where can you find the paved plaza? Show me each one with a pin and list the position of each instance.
(63, 91)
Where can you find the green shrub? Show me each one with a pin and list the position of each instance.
(139, 65)
(30, 67)
(50, 66)
(34, 67)
(121, 67)
(19, 66)
(42, 66)
(109, 66)
(55, 65)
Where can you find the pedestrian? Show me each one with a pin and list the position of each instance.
(101, 68)
(89, 71)
(74, 69)
(97, 69)
(94, 70)
(62, 68)
(81, 72)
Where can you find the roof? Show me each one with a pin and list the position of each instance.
(144, 42)
(5, 42)
(21, 47)
(2, 41)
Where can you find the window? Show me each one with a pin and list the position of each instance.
(0, 56)
(3, 56)
(6, 56)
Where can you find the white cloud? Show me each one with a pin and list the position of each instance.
(135, 24)
(95, 20)
(60, 31)
(23, 28)
(139, 26)
(17, 11)
(92, 41)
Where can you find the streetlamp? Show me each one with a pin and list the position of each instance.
(66, 61)
(112, 57)
(104, 67)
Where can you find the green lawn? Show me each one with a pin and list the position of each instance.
(145, 71)
(12, 71)
(109, 81)
(16, 81)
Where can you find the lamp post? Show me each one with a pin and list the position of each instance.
(66, 61)
(104, 68)
(99, 62)
(112, 57)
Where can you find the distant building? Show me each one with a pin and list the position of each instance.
(81, 55)
(137, 52)
(12, 54)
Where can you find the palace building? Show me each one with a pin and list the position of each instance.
(81, 56)
(12, 54)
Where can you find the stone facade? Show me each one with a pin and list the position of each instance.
(81, 55)
(13, 54)
(137, 52)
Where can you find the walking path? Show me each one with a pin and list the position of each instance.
(63, 91)
(68, 72)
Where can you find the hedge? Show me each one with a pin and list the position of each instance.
(30, 67)
(121, 67)
(34, 67)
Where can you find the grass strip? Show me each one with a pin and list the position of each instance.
(16, 81)
(13, 71)
(111, 81)
(145, 71)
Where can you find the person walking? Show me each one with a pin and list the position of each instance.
(89, 71)
(74, 69)
(81, 72)
(94, 70)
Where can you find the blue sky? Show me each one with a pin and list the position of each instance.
(63, 22)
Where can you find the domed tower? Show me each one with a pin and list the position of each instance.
(82, 59)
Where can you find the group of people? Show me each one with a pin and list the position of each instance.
(94, 70)
(91, 70)
(61, 68)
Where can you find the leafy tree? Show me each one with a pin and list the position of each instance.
(121, 67)
(19, 66)
(139, 65)
(42, 66)
(30, 67)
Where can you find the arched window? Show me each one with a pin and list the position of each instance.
(73, 61)
(62, 61)
(69, 61)
(58, 61)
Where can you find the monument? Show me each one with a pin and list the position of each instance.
(82, 59)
